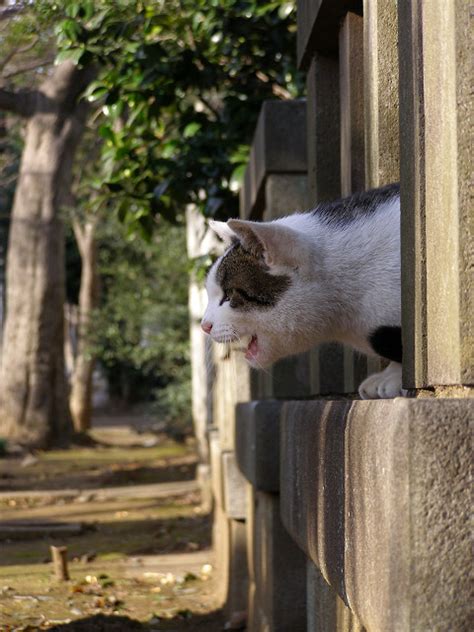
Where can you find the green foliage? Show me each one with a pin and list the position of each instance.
(141, 331)
(180, 85)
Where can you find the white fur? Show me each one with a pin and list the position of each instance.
(345, 283)
(383, 385)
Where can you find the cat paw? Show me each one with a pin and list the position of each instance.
(384, 385)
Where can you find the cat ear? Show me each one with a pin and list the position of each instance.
(276, 244)
(223, 230)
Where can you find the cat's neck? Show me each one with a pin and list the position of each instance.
(353, 275)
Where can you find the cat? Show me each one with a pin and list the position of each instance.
(329, 274)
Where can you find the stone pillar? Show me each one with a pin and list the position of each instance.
(436, 179)
(275, 185)
(324, 183)
(323, 129)
(382, 160)
(277, 568)
(200, 241)
(351, 82)
(381, 92)
(231, 385)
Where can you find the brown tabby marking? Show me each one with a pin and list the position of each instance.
(246, 282)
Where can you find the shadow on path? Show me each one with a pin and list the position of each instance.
(212, 622)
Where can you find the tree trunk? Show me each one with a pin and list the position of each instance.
(34, 407)
(81, 382)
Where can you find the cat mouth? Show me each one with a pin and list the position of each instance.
(252, 348)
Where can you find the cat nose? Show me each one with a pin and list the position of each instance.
(206, 327)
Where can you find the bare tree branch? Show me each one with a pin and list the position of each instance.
(78, 234)
(18, 50)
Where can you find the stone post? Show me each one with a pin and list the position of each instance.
(351, 86)
(277, 568)
(275, 185)
(200, 241)
(436, 180)
(382, 162)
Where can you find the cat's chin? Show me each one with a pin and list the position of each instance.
(255, 354)
(252, 349)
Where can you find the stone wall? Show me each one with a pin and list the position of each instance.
(333, 514)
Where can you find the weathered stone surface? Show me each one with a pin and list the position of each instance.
(318, 26)
(216, 466)
(327, 369)
(326, 610)
(312, 482)
(231, 385)
(257, 443)
(230, 545)
(204, 479)
(221, 546)
(234, 485)
(377, 495)
(382, 160)
(351, 81)
(278, 566)
(284, 194)
(279, 146)
(437, 245)
(200, 241)
(323, 138)
(238, 572)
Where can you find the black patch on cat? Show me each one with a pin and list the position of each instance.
(387, 342)
(349, 209)
(246, 281)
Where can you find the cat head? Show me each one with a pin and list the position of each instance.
(253, 289)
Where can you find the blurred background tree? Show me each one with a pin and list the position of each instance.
(173, 91)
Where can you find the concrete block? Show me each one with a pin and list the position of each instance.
(437, 282)
(318, 26)
(279, 568)
(234, 485)
(377, 494)
(257, 443)
(279, 146)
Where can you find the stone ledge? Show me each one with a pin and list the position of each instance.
(257, 443)
(318, 26)
(377, 495)
(279, 146)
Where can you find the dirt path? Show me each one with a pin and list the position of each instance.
(137, 561)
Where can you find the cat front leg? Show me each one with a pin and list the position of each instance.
(383, 385)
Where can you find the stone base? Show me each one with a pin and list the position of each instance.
(377, 495)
